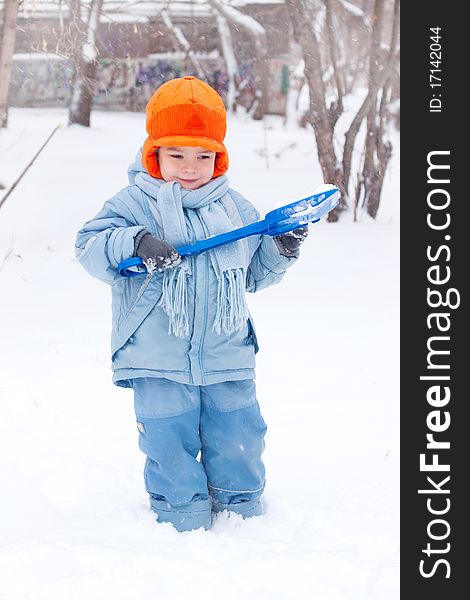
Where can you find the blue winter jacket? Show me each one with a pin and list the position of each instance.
(140, 343)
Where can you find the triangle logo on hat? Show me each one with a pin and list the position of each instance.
(194, 122)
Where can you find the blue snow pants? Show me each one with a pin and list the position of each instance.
(203, 446)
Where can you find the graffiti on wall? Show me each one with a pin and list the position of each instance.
(278, 85)
(40, 83)
(127, 84)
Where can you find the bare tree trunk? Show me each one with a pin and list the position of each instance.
(337, 108)
(369, 173)
(74, 36)
(230, 61)
(351, 134)
(85, 79)
(182, 43)
(305, 16)
(258, 34)
(6, 55)
(302, 17)
(377, 150)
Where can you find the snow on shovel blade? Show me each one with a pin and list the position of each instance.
(305, 211)
(280, 220)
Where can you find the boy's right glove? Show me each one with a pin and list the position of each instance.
(156, 254)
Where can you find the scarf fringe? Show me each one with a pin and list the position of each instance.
(232, 310)
(174, 301)
(218, 212)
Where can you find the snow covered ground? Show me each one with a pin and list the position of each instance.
(74, 519)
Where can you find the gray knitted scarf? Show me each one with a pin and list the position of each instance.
(218, 214)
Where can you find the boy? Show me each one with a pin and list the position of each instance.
(182, 335)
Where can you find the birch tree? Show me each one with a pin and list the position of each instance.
(7, 46)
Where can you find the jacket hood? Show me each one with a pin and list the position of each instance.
(139, 176)
(136, 167)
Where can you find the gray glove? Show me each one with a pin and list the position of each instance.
(156, 254)
(288, 243)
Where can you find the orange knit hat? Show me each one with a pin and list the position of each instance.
(185, 112)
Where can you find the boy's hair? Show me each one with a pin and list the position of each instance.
(185, 112)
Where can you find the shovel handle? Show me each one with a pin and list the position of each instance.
(278, 221)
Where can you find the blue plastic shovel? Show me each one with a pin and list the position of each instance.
(277, 221)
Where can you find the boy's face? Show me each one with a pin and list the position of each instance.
(190, 166)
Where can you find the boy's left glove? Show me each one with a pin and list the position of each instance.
(288, 243)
